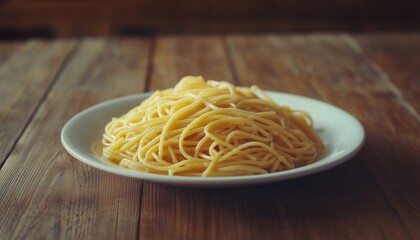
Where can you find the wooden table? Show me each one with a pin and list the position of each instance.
(47, 194)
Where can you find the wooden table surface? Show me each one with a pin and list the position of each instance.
(47, 194)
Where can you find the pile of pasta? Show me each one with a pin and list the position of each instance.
(210, 128)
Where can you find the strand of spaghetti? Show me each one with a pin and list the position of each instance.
(178, 115)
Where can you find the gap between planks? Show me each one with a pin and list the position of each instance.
(148, 79)
(229, 56)
(66, 60)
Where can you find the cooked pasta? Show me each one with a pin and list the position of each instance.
(209, 128)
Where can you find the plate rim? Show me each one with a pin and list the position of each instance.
(309, 169)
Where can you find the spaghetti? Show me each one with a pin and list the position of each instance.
(211, 128)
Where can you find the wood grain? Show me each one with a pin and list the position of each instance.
(325, 206)
(394, 162)
(397, 56)
(26, 72)
(47, 194)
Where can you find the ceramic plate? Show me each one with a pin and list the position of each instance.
(342, 134)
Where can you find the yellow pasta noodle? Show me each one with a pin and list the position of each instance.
(209, 128)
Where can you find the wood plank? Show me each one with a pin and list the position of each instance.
(323, 206)
(398, 56)
(47, 194)
(341, 73)
(26, 72)
(176, 57)
(7, 49)
(394, 162)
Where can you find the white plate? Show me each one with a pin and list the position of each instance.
(342, 134)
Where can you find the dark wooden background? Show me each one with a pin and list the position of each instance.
(63, 18)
